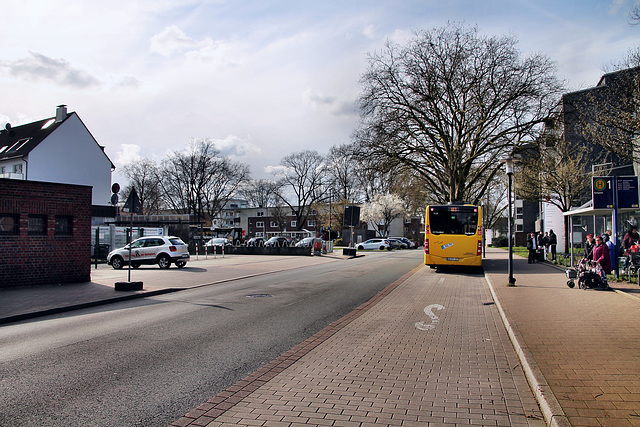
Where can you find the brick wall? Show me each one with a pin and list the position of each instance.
(56, 248)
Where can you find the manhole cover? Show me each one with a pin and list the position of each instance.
(259, 296)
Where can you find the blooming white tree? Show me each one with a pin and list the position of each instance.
(382, 209)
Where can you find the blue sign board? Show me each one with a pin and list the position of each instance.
(627, 192)
(603, 192)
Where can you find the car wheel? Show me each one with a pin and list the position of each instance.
(135, 264)
(117, 262)
(382, 248)
(164, 262)
(388, 248)
(360, 248)
(181, 264)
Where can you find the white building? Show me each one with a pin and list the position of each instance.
(58, 149)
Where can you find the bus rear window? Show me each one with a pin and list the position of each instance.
(453, 220)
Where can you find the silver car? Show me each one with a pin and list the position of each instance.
(161, 250)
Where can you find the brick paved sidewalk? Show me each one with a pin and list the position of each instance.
(584, 343)
(392, 363)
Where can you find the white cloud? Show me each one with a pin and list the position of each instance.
(173, 40)
(317, 99)
(276, 170)
(128, 153)
(39, 67)
(236, 147)
(370, 31)
(336, 106)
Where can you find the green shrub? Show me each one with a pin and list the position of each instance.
(500, 242)
(337, 242)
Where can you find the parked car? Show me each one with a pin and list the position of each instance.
(381, 244)
(307, 242)
(398, 243)
(255, 241)
(277, 241)
(161, 250)
(218, 242)
(411, 243)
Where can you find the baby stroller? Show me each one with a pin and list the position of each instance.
(589, 275)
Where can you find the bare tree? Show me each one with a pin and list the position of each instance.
(198, 181)
(143, 176)
(450, 103)
(554, 172)
(341, 165)
(303, 178)
(279, 215)
(634, 15)
(632, 57)
(259, 193)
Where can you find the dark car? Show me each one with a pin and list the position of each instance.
(255, 241)
(277, 241)
(307, 242)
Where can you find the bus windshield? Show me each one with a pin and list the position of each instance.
(453, 219)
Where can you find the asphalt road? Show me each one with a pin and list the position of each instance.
(147, 362)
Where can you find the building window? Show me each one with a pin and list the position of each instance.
(294, 224)
(17, 168)
(260, 224)
(9, 224)
(311, 223)
(37, 225)
(273, 224)
(260, 213)
(64, 225)
(519, 227)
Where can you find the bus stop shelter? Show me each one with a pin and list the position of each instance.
(602, 219)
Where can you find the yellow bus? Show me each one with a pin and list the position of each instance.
(453, 235)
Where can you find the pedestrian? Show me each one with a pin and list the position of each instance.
(601, 257)
(531, 246)
(612, 248)
(540, 245)
(588, 247)
(553, 242)
(545, 240)
(629, 238)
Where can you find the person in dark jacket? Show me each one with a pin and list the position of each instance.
(540, 246)
(553, 242)
(588, 247)
(629, 238)
(531, 246)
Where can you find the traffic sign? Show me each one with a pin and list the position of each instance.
(627, 192)
(133, 202)
(602, 192)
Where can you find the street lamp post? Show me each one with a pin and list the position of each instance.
(509, 161)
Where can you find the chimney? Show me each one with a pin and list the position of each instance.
(61, 113)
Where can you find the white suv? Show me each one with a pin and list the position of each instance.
(161, 250)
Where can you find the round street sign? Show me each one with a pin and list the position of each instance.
(599, 184)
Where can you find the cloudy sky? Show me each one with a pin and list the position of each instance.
(262, 78)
